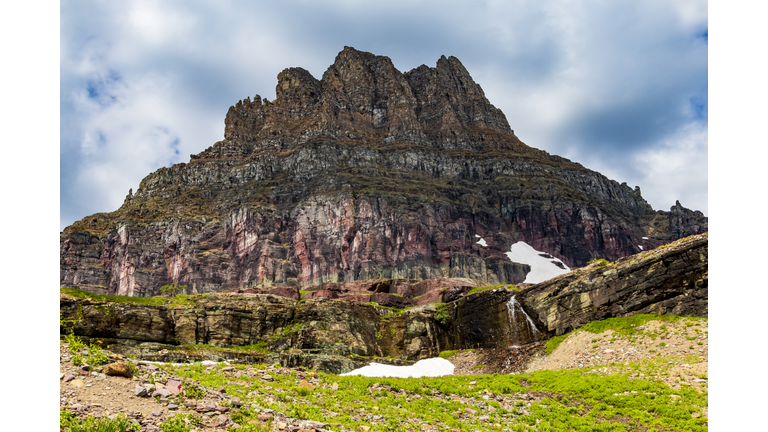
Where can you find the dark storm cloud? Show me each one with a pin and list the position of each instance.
(616, 86)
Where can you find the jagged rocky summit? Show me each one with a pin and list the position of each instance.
(367, 173)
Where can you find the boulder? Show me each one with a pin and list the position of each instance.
(118, 369)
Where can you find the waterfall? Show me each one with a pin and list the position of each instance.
(529, 325)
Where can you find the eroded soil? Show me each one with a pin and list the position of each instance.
(686, 345)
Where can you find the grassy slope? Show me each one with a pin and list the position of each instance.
(546, 400)
(627, 398)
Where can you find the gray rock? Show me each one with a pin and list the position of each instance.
(222, 420)
(173, 386)
(163, 393)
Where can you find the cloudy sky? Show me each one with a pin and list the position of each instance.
(620, 87)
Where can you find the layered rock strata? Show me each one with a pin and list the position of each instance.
(670, 279)
(395, 293)
(367, 173)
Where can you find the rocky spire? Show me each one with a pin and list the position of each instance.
(362, 96)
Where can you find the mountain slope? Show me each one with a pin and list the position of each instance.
(363, 174)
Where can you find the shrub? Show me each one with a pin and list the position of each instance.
(442, 316)
(180, 423)
(74, 342)
(96, 356)
(172, 289)
(194, 392)
(71, 423)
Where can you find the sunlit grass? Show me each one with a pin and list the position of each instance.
(580, 399)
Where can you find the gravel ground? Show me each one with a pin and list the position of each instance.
(688, 344)
(682, 346)
(102, 395)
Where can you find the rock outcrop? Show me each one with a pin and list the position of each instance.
(671, 279)
(395, 293)
(336, 335)
(367, 173)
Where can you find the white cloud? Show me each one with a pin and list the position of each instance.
(159, 24)
(677, 168)
(600, 83)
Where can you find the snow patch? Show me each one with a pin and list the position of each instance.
(640, 246)
(482, 242)
(431, 367)
(645, 238)
(543, 265)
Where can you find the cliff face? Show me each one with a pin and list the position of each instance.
(366, 173)
(670, 279)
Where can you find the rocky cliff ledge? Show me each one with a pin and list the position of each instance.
(671, 279)
(337, 335)
(367, 173)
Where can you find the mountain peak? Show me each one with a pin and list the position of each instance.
(364, 96)
(365, 173)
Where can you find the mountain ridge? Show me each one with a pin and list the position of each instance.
(363, 174)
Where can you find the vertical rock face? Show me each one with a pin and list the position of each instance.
(366, 173)
(670, 279)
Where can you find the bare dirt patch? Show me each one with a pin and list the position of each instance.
(483, 361)
(685, 344)
(100, 396)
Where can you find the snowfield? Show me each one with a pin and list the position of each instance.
(431, 367)
(542, 268)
